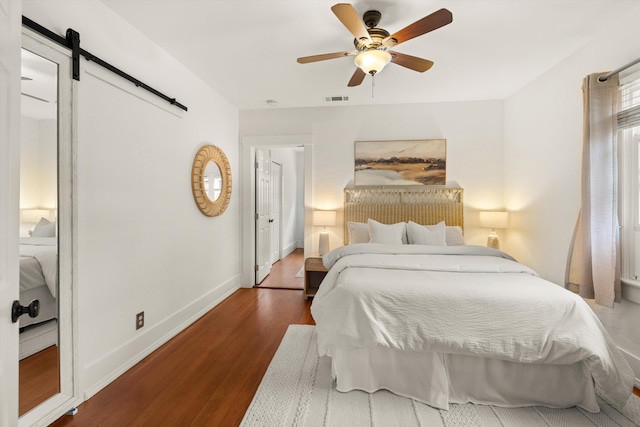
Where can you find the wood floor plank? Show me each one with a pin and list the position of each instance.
(39, 377)
(206, 375)
(283, 273)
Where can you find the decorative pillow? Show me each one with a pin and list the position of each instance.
(395, 234)
(44, 228)
(427, 234)
(358, 232)
(454, 236)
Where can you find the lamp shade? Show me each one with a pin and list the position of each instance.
(494, 219)
(324, 218)
(372, 61)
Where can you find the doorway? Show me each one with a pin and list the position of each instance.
(279, 204)
(304, 186)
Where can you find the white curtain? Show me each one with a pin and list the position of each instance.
(593, 266)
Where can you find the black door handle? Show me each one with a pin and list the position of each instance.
(18, 310)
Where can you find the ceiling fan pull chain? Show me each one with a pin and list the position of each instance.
(373, 84)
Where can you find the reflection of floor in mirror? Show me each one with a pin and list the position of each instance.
(39, 378)
(38, 337)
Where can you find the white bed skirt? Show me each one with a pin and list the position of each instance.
(48, 305)
(441, 379)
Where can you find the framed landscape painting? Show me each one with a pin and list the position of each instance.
(388, 163)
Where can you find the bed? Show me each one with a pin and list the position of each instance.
(430, 318)
(39, 272)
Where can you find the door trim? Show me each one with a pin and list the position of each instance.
(249, 145)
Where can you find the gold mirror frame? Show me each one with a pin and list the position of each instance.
(206, 154)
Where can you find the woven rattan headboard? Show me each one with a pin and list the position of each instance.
(423, 205)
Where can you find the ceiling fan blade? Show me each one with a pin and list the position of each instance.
(33, 97)
(325, 56)
(357, 78)
(350, 19)
(411, 62)
(431, 22)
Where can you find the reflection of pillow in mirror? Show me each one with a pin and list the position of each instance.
(454, 236)
(427, 234)
(358, 232)
(44, 228)
(395, 234)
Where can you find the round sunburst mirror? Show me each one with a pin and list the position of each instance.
(211, 180)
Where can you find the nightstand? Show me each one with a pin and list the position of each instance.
(314, 272)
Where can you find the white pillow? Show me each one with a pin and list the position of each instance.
(44, 228)
(427, 234)
(394, 234)
(454, 236)
(358, 232)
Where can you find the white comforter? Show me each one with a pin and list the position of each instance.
(461, 300)
(45, 251)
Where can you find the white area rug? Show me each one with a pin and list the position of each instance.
(300, 273)
(297, 390)
(37, 338)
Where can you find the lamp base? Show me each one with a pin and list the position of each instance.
(493, 241)
(323, 247)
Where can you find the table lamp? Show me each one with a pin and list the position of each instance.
(494, 220)
(324, 219)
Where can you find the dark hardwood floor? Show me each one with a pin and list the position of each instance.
(39, 376)
(206, 375)
(283, 272)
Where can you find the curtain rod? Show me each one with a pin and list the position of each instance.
(73, 42)
(617, 70)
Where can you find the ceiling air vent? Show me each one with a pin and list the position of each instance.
(336, 98)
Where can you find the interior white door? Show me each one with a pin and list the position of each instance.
(10, 41)
(263, 196)
(276, 204)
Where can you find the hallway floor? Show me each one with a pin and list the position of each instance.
(283, 272)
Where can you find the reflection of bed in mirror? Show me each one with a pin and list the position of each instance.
(38, 280)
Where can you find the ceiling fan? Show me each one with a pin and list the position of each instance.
(373, 44)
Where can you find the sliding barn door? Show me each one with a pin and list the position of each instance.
(10, 41)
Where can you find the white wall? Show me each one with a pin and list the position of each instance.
(38, 167)
(292, 200)
(473, 130)
(29, 162)
(142, 243)
(543, 149)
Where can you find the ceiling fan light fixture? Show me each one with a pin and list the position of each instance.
(372, 61)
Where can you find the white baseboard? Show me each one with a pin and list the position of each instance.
(119, 360)
(288, 249)
(631, 290)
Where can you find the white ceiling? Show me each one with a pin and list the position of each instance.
(39, 87)
(247, 49)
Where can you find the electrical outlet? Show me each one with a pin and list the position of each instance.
(140, 320)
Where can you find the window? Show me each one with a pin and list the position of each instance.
(629, 179)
